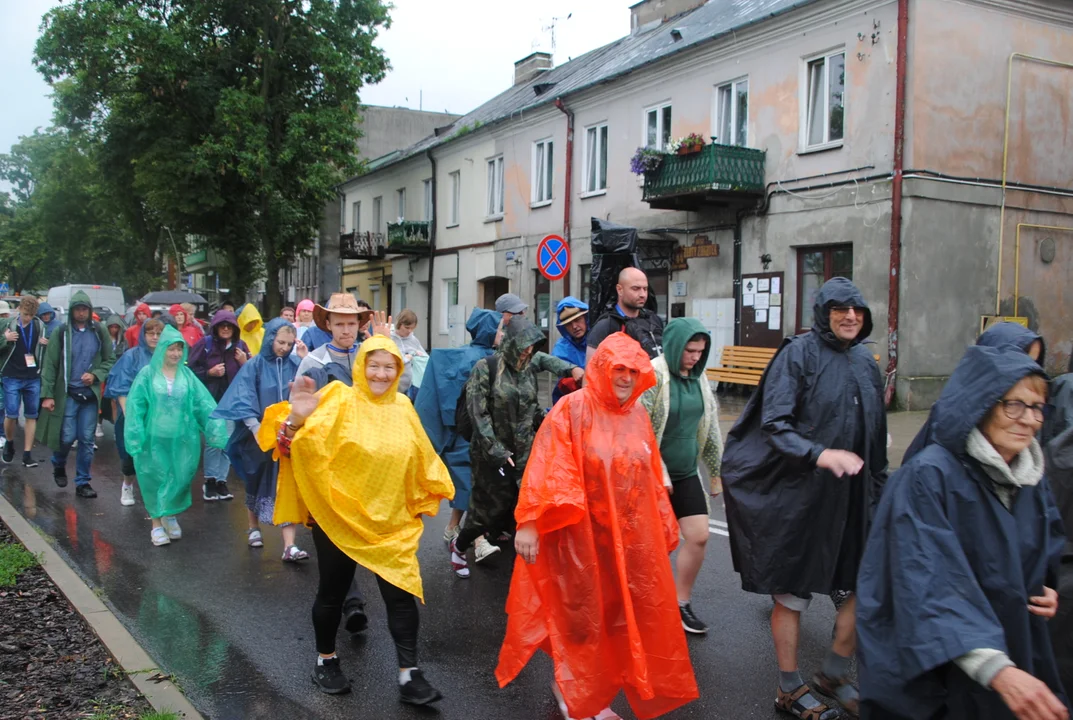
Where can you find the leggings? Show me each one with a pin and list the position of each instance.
(336, 573)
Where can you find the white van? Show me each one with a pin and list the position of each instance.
(102, 296)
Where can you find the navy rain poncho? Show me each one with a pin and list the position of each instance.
(796, 528)
(1059, 458)
(446, 374)
(949, 569)
(999, 334)
(265, 380)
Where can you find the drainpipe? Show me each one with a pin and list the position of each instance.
(737, 276)
(569, 188)
(431, 251)
(894, 279)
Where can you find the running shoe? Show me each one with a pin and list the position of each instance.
(221, 490)
(292, 553)
(482, 549)
(171, 524)
(9, 453)
(458, 561)
(418, 691)
(85, 491)
(100, 431)
(126, 496)
(329, 677)
(209, 492)
(159, 536)
(59, 474)
(690, 622)
(254, 539)
(28, 460)
(450, 534)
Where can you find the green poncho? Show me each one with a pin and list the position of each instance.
(163, 430)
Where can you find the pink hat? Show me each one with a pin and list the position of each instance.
(306, 304)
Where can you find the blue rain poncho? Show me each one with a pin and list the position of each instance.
(446, 374)
(568, 348)
(163, 429)
(121, 377)
(263, 381)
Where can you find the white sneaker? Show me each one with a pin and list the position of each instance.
(100, 430)
(482, 549)
(171, 524)
(159, 536)
(127, 495)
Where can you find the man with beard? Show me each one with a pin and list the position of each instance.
(630, 315)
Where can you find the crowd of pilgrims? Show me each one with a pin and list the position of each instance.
(945, 574)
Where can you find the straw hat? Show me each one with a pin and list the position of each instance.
(571, 313)
(341, 304)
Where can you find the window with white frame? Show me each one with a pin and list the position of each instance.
(456, 197)
(543, 171)
(449, 298)
(825, 100)
(400, 203)
(658, 127)
(427, 187)
(494, 206)
(732, 118)
(378, 215)
(596, 158)
(355, 217)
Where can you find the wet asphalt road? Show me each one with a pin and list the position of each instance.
(233, 624)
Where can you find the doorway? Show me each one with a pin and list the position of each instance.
(491, 288)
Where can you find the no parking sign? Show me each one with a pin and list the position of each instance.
(553, 257)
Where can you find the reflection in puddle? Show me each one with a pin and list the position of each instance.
(102, 554)
(71, 517)
(29, 501)
(195, 653)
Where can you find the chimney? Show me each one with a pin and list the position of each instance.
(650, 13)
(530, 66)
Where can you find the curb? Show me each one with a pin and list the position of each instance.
(163, 696)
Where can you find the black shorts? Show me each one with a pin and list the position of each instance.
(688, 497)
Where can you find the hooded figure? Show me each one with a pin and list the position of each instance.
(213, 350)
(163, 428)
(1059, 463)
(136, 327)
(447, 371)
(189, 328)
(118, 385)
(568, 347)
(600, 597)
(958, 547)
(252, 328)
(119, 342)
(999, 334)
(47, 315)
(795, 528)
(1061, 418)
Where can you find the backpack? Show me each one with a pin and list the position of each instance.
(463, 421)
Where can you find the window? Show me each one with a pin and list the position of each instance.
(427, 187)
(355, 212)
(378, 220)
(456, 197)
(543, 301)
(732, 123)
(658, 127)
(659, 287)
(543, 172)
(401, 292)
(449, 299)
(586, 282)
(596, 159)
(400, 203)
(815, 266)
(494, 207)
(825, 104)
(374, 291)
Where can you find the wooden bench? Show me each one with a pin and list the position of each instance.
(742, 365)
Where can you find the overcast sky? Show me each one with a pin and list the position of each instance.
(454, 55)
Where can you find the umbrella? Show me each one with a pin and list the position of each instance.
(173, 297)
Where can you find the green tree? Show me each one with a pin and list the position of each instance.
(229, 119)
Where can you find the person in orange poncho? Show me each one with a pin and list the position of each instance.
(592, 585)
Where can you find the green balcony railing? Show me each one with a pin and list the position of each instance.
(407, 235)
(723, 168)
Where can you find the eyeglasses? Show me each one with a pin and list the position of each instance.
(1015, 409)
(842, 310)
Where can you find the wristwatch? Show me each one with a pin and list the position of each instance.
(291, 425)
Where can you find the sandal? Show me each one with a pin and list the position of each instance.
(835, 688)
(791, 703)
(254, 539)
(294, 554)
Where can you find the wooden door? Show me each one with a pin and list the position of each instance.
(762, 319)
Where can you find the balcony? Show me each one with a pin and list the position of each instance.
(408, 237)
(362, 246)
(717, 175)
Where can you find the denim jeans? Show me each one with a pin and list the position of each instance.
(79, 423)
(216, 464)
(24, 393)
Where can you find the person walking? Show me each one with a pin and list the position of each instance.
(408, 345)
(252, 327)
(501, 400)
(801, 469)
(573, 325)
(592, 586)
(117, 388)
(167, 411)
(47, 314)
(77, 361)
(216, 359)
(263, 381)
(437, 405)
(629, 315)
(23, 356)
(957, 582)
(117, 329)
(141, 313)
(356, 465)
(685, 418)
(188, 327)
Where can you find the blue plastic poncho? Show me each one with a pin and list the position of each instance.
(446, 374)
(263, 381)
(163, 429)
(568, 348)
(121, 377)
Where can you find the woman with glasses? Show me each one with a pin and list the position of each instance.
(956, 584)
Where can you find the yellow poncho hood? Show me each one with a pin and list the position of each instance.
(362, 468)
(252, 338)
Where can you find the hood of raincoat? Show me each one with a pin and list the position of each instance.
(80, 298)
(676, 336)
(1008, 333)
(482, 326)
(116, 320)
(168, 337)
(519, 335)
(174, 311)
(619, 349)
(572, 302)
(121, 377)
(979, 381)
(46, 309)
(221, 317)
(143, 308)
(361, 385)
(271, 330)
(839, 291)
(252, 338)
(263, 381)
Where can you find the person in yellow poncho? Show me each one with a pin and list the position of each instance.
(252, 328)
(357, 466)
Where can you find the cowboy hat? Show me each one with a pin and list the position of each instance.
(571, 313)
(341, 304)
